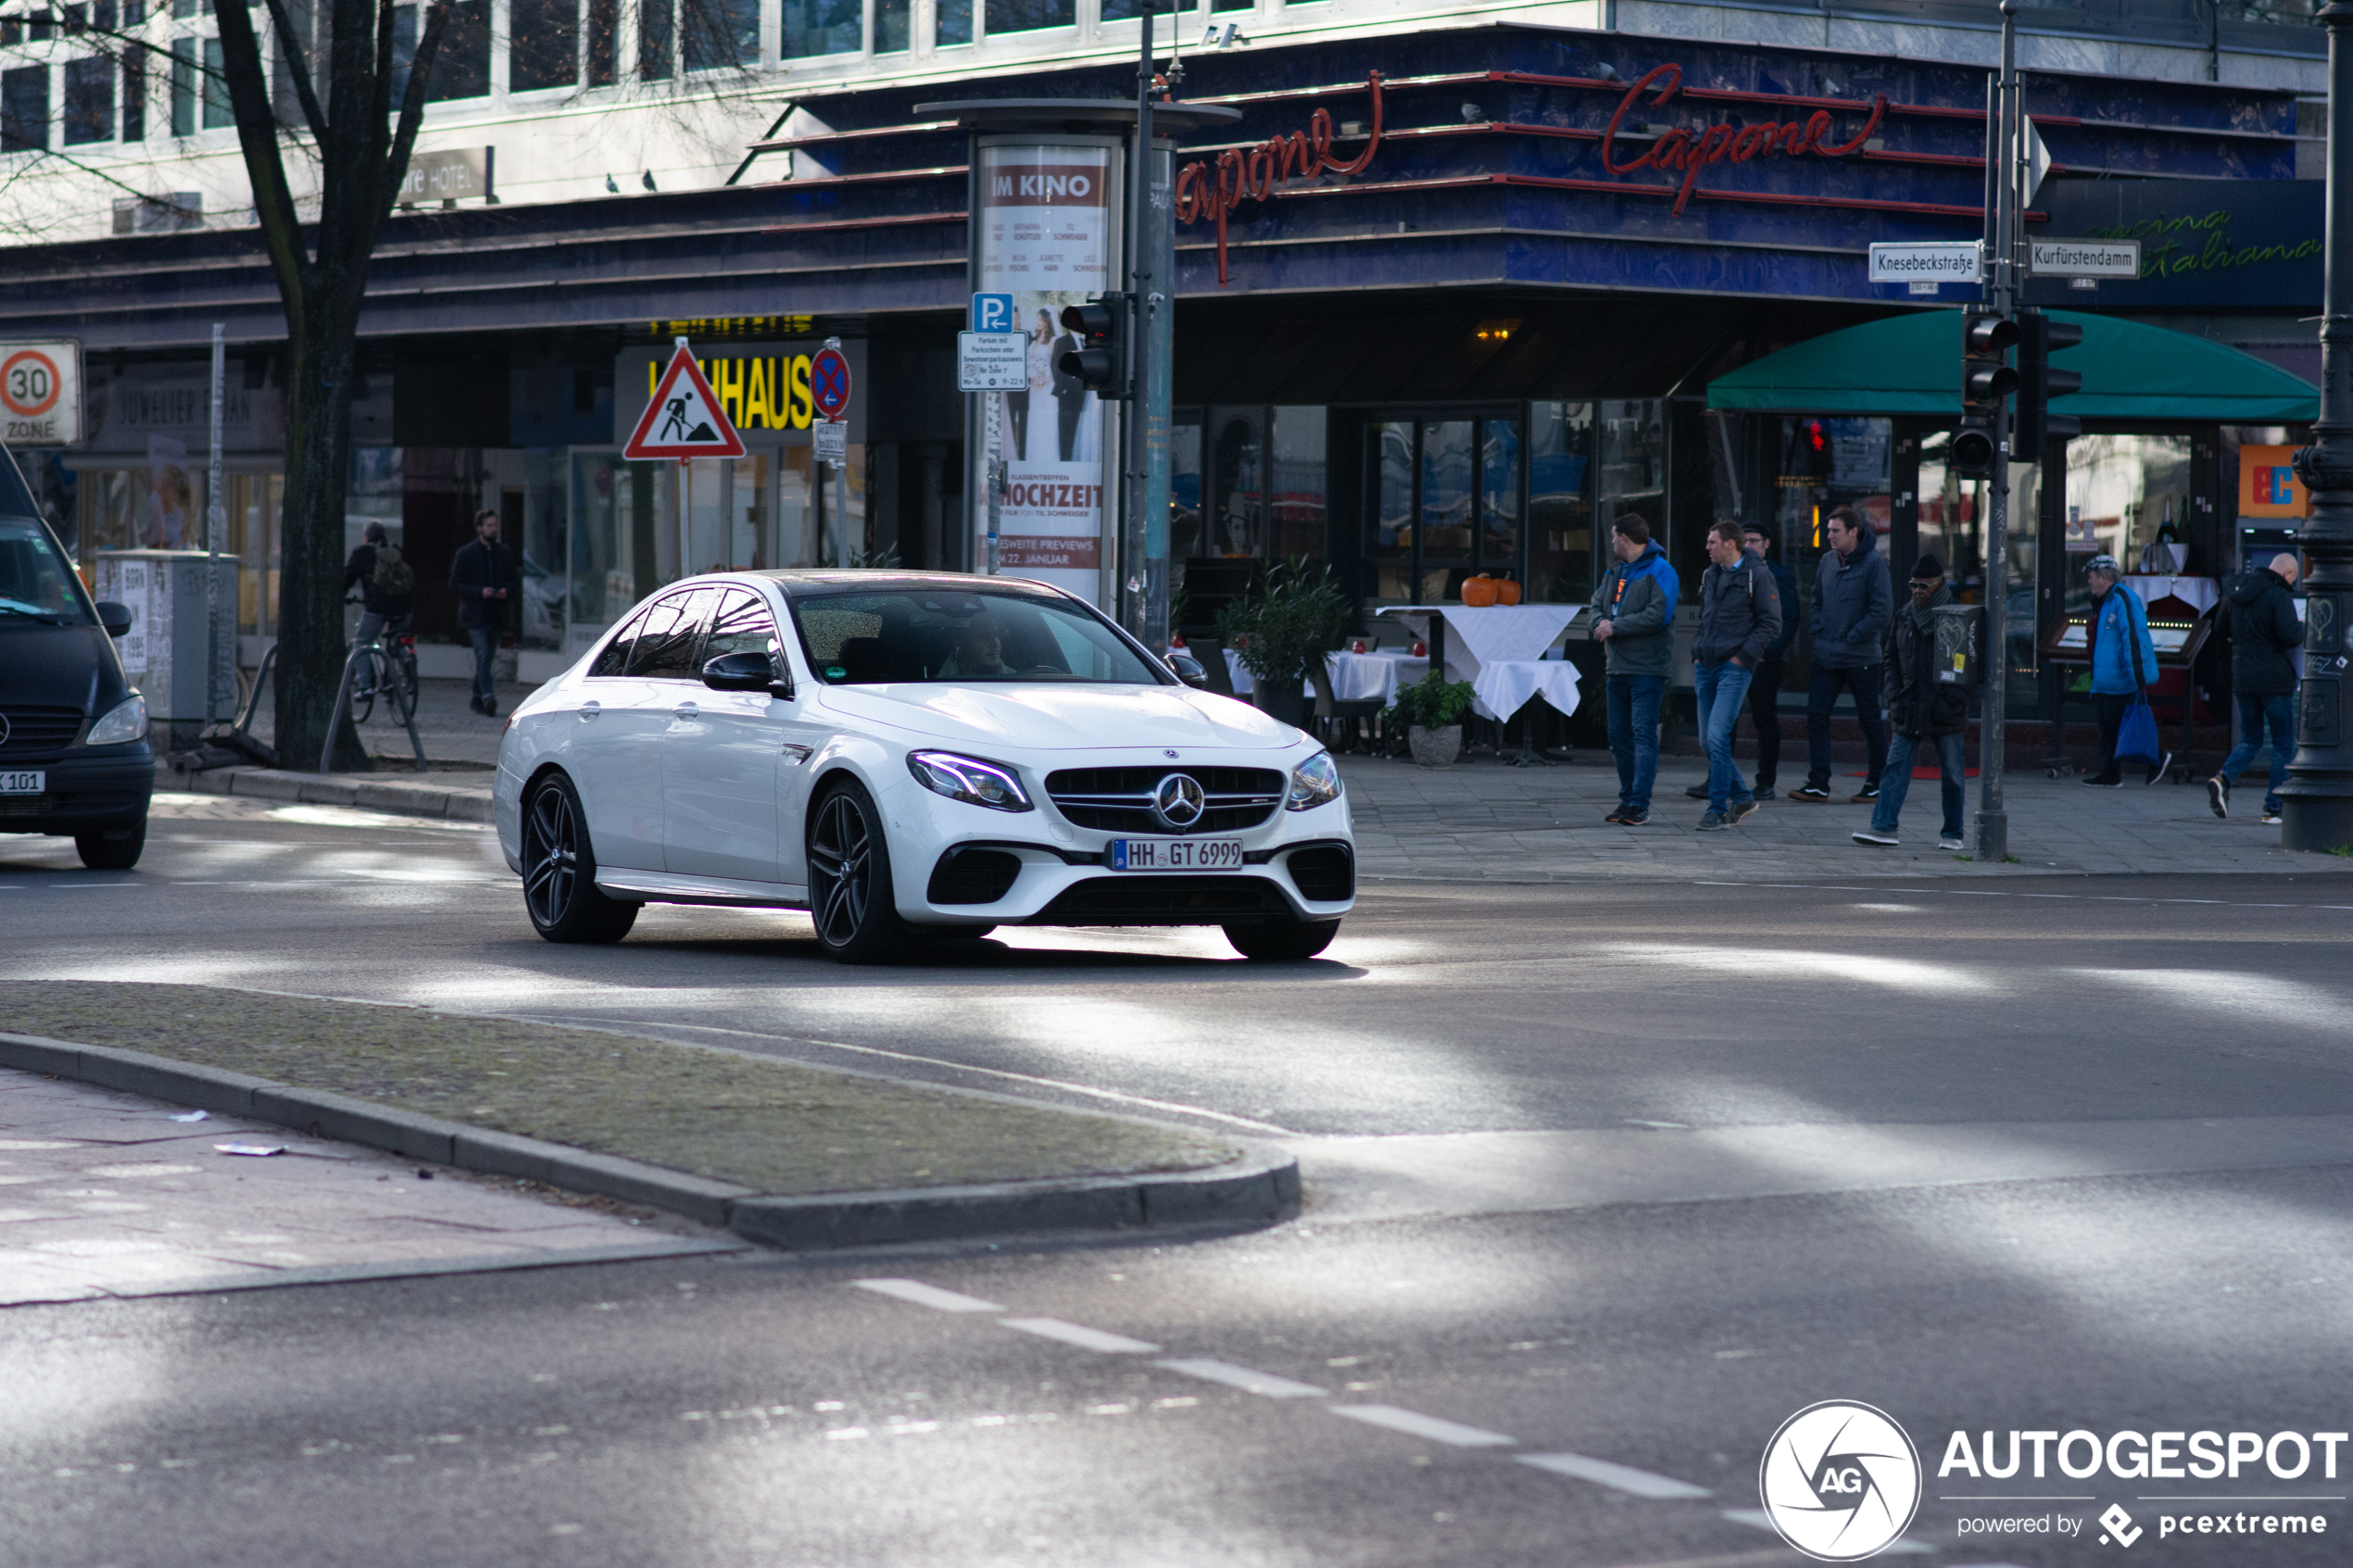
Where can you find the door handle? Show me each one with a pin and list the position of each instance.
(590, 708)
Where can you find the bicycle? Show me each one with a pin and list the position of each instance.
(385, 666)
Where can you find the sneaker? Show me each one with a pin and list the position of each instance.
(1864, 796)
(2095, 782)
(1617, 815)
(1743, 809)
(1951, 841)
(1697, 792)
(1809, 791)
(1632, 817)
(2270, 817)
(2217, 795)
(1873, 836)
(1715, 822)
(1765, 791)
(2164, 761)
(490, 708)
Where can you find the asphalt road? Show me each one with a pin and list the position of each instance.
(1626, 1172)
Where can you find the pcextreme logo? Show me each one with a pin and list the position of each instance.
(1841, 1481)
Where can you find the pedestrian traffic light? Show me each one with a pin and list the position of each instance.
(2039, 380)
(1100, 359)
(1986, 380)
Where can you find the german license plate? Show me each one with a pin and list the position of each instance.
(1175, 853)
(23, 782)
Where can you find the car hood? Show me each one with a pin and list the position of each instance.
(55, 665)
(1064, 717)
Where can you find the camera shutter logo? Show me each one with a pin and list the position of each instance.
(1178, 801)
(1841, 1481)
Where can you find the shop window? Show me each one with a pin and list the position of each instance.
(1499, 508)
(1560, 515)
(657, 23)
(1389, 547)
(89, 101)
(1184, 493)
(2129, 495)
(543, 44)
(1029, 16)
(604, 42)
(720, 33)
(1298, 490)
(1443, 519)
(1632, 464)
(952, 22)
(1238, 515)
(461, 66)
(24, 109)
(893, 26)
(824, 27)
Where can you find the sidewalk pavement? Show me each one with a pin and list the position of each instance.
(452, 731)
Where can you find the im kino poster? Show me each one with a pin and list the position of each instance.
(1045, 238)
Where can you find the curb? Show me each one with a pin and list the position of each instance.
(1261, 1187)
(371, 792)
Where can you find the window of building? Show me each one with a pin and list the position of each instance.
(183, 88)
(657, 28)
(894, 27)
(24, 109)
(604, 42)
(952, 22)
(720, 33)
(218, 115)
(1029, 16)
(461, 66)
(1560, 512)
(1299, 489)
(134, 95)
(824, 27)
(543, 44)
(89, 101)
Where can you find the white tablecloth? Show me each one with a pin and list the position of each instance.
(2199, 592)
(1356, 677)
(1473, 637)
(1503, 686)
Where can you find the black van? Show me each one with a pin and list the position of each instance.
(75, 757)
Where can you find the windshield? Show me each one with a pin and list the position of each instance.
(36, 582)
(963, 636)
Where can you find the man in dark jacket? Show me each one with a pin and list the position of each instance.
(1922, 708)
(386, 582)
(2259, 617)
(482, 577)
(1765, 691)
(1633, 618)
(1854, 605)
(1740, 614)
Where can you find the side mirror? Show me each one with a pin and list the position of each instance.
(115, 618)
(745, 673)
(1188, 670)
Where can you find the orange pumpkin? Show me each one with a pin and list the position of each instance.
(1508, 592)
(1478, 592)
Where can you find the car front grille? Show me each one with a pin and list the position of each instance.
(1120, 799)
(33, 730)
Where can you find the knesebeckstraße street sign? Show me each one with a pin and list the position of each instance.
(2084, 259)
(1931, 262)
(41, 393)
(684, 419)
(992, 361)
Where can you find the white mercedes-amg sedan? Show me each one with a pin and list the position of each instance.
(908, 755)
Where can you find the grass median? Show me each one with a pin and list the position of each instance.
(771, 1126)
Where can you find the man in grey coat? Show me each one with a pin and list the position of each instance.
(1633, 617)
(1854, 605)
(1739, 616)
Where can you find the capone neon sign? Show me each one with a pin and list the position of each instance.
(1256, 171)
(1679, 151)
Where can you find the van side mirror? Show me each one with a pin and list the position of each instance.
(1188, 670)
(745, 673)
(115, 618)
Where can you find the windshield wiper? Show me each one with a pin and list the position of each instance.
(17, 607)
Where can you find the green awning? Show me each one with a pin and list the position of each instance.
(1912, 365)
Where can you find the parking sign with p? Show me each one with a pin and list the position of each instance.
(992, 313)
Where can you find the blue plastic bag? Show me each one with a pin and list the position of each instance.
(2137, 737)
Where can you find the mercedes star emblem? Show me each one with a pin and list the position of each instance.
(4, 731)
(1178, 801)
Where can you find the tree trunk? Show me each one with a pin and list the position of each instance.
(311, 641)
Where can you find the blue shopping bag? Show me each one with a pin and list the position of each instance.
(2137, 737)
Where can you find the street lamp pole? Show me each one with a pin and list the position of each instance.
(2319, 792)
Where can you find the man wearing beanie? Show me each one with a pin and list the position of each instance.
(1920, 708)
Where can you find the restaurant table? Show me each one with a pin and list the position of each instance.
(1356, 677)
(1503, 686)
(1467, 637)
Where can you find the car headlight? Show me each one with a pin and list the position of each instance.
(1314, 782)
(969, 778)
(126, 721)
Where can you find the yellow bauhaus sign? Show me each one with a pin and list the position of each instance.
(763, 387)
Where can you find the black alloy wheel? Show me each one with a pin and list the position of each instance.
(850, 885)
(560, 871)
(1282, 941)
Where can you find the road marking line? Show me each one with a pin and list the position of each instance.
(1243, 1378)
(1757, 1518)
(930, 1295)
(1623, 1477)
(1414, 1424)
(1077, 1334)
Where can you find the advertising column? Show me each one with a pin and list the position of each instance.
(1048, 235)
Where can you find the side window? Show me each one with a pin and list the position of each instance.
(742, 625)
(673, 629)
(614, 659)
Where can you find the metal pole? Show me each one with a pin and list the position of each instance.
(2319, 792)
(216, 527)
(1133, 563)
(1156, 393)
(996, 472)
(2001, 245)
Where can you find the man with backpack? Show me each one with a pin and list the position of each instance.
(1854, 604)
(1633, 614)
(387, 583)
(2259, 616)
(2123, 662)
(1923, 710)
(1739, 616)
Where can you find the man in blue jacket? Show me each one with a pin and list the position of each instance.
(1740, 614)
(2123, 661)
(1854, 605)
(1764, 690)
(1633, 617)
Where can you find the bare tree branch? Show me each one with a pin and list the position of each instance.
(290, 45)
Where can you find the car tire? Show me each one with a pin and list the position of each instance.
(112, 849)
(851, 895)
(1282, 941)
(559, 888)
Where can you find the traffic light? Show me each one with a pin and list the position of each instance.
(2039, 380)
(1100, 359)
(1986, 379)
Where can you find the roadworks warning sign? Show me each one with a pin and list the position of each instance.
(684, 419)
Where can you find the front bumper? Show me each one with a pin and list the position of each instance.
(84, 794)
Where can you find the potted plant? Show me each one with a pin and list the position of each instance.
(1295, 619)
(1434, 710)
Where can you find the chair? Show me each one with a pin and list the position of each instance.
(1331, 714)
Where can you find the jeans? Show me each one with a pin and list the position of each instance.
(2279, 712)
(1633, 735)
(1764, 710)
(1951, 764)
(2111, 706)
(485, 642)
(1722, 688)
(1864, 682)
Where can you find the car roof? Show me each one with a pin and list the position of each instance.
(810, 580)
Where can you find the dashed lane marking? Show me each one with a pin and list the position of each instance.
(1077, 1333)
(930, 1295)
(1415, 1425)
(1243, 1378)
(1622, 1477)
(1756, 1519)
(2007, 893)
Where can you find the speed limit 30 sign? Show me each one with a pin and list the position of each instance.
(40, 394)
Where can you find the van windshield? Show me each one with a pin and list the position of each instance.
(960, 636)
(36, 581)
